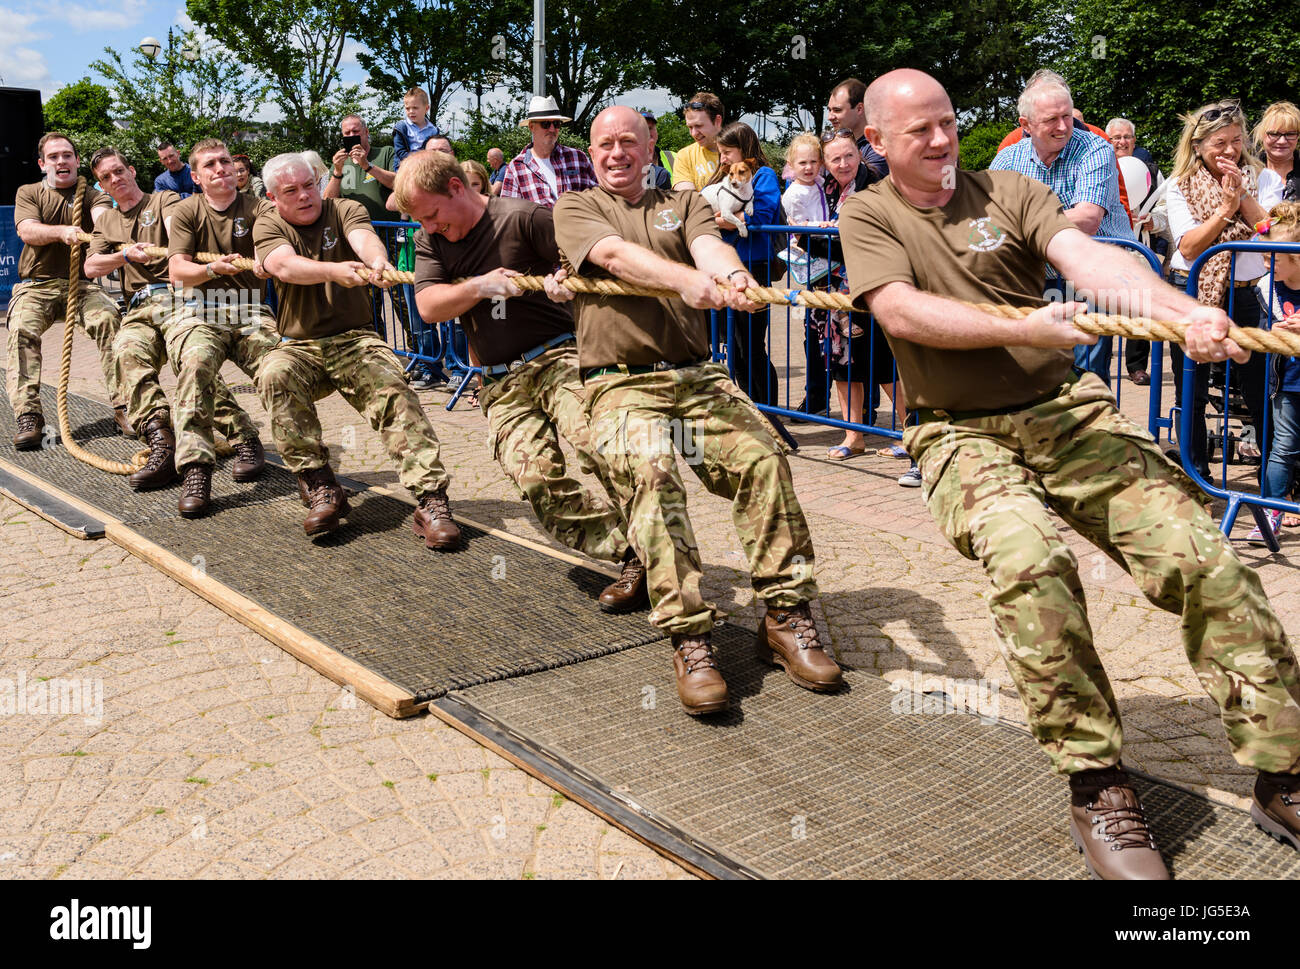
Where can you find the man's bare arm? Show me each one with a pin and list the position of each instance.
(445, 301)
(636, 264)
(35, 233)
(1086, 216)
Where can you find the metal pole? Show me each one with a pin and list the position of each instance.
(539, 48)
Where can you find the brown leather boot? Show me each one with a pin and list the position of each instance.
(250, 459)
(433, 521)
(160, 470)
(700, 685)
(321, 492)
(1110, 829)
(628, 592)
(788, 638)
(1275, 807)
(31, 430)
(123, 425)
(196, 490)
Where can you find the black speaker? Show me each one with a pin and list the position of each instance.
(21, 126)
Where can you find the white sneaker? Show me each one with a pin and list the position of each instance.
(911, 478)
(1256, 537)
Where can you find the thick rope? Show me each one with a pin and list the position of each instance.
(1129, 327)
(73, 313)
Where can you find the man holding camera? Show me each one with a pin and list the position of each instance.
(361, 173)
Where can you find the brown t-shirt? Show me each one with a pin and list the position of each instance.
(198, 227)
(514, 234)
(987, 245)
(52, 207)
(318, 310)
(634, 330)
(145, 223)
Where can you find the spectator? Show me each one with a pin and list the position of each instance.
(1213, 198)
(361, 173)
(1082, 170)
(852, 354)
(413, 132)
(1284, 379)
(249, 183)
(1275, 140)
(660, 177)
(497, 163)
(804, 202)
(696, 163)
(177, 177)
(545, 169)
(847, 110)
(754, 372)
(1122, 135)
(318, 167)
(476, 177)
(440, 143)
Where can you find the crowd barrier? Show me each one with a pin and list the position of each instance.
(1192, 375)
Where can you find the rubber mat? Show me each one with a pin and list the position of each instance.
(790, 784)
(427, 621)
(94, 429)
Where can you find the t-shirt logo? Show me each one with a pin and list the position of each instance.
(984, 235)
(147, 218)
(328, 240)
(667, 220)
(241, 227)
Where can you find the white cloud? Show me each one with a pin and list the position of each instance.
(349, 55)
(84, 18)
(20, 65)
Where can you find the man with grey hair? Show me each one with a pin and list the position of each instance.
(361, 173)
(1081, 169)
(496, 160)
(321, 253)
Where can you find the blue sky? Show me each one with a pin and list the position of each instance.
(46, 45)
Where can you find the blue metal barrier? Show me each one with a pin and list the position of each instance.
(1255, 502)
(1155, 419)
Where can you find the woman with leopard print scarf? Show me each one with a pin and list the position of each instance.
(1214, 197)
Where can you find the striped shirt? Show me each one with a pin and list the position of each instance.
(1084, 171)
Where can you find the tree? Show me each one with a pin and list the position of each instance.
(296, 45)
(81, 106)
(439, 45)
(1117, 64)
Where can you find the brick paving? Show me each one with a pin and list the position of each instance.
(219, 756)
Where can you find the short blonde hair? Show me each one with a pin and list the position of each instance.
(418, 94)
(428, 171)
(1277, 113)
(207, 144)
(805, 139)
(1285, 219)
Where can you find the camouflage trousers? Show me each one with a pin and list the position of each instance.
(528, 410)
(139, 350)
(638, 423)
(361, 367)
(32, 310)
(199, 340)
(986, 480)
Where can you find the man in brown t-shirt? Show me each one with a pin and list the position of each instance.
(123, 237)
(1007, 428)
(219, 314)
(43, 218)
(649, 380)
(467, 249)
(318, 251)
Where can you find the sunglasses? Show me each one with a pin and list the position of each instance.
(696, 106)
(829, 136)
(1229, 108)
(548, 124)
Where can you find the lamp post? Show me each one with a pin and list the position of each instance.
(150, 47)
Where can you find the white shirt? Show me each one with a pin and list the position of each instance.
(804, 204)
(1271, 187)
(548, 173)
(1250, 265)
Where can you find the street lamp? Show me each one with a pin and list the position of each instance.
(150, 48)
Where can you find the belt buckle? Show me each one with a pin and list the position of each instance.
(662, 365)
(514, 365)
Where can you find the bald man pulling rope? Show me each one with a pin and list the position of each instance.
(1006, 427)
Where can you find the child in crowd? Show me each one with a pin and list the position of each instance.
(411, 133)
(1283, 225)
(476, 177)
(804, 201)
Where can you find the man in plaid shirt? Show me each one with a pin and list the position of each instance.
(1080, 168)
(545, 170)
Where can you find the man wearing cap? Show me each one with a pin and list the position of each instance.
(651, 384)
(43, 218)
(532, 394)
(545, 170)
(122, 235)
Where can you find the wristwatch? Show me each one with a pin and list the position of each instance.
(212, 273)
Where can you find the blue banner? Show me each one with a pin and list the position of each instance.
(10, 245)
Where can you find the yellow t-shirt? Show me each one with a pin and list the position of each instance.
(695, 164)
